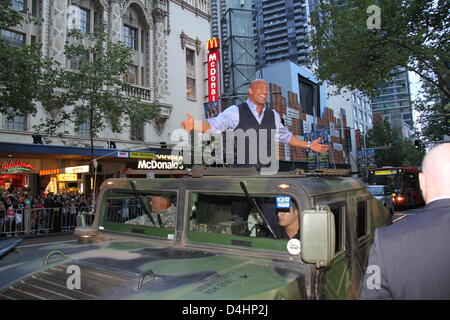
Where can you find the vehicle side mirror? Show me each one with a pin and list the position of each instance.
(318, 236)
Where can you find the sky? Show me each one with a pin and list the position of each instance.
(414, 86)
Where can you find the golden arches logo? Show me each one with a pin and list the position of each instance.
(212, 44)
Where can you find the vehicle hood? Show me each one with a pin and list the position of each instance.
(111, 270)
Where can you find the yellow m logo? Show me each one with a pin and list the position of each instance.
(212, 44)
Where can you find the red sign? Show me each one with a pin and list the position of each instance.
(18, 165)
(213, 78)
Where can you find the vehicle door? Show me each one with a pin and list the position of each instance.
(357, 240)
(337, 274)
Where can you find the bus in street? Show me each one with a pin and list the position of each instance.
(402, 183)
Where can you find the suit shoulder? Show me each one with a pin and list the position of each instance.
(417, 222)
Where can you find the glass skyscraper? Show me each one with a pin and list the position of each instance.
(395, 98)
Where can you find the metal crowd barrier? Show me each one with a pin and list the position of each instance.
(121, 213)
(19, 222)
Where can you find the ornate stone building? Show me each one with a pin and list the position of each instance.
(167, 38)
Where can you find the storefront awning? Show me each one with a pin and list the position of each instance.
(29, 149)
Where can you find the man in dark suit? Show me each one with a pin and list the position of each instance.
(411, 258)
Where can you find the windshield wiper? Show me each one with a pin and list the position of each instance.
(143, 203)
(255, 205)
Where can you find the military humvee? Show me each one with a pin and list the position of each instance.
(206, 252)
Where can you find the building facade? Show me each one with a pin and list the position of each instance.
(355, 107)
(394, 101)
(281, 29)
(232, 23)
(167, 38)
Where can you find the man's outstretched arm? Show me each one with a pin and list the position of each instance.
(315, 145)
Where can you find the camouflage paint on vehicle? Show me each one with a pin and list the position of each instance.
(182, 264)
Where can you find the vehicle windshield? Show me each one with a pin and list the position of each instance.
(231, 219)
(129, 213)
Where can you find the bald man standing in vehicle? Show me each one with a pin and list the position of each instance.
(411, 258)
(253, 115)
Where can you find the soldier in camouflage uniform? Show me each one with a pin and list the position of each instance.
(163, 214)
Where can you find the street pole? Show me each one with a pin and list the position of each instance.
(365, 151)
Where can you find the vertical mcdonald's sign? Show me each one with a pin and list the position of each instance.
(213, 69)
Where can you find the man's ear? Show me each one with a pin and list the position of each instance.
(422, 183)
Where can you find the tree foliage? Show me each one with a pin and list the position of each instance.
(432, 110)
(20, 76)
(8, 16)
(398, 151)
(93, 92)
(412, 34)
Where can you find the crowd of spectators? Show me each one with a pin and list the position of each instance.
(46, 210)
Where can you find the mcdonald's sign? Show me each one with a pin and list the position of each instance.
(212, 44)
(213, 76)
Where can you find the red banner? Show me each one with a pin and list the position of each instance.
(213, 78)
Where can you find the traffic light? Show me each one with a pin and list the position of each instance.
(417, 144)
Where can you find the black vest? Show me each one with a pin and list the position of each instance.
(248, 121)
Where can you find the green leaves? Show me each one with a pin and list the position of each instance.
(20, 79)
(92, 92)
(400, 152)
(8, 16)
(413, 34)
(432, 114)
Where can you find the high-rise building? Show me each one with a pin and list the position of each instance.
(281, 31)
(255, 33)
(234, 19)
(394, 100)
